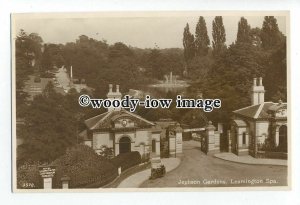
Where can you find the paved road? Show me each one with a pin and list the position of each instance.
(200, 170)
(135, 180)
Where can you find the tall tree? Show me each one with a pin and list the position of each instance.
(219, 35)
(201, 38)
(28, 51)
(188, 44)
(270, 34)
(243, 35)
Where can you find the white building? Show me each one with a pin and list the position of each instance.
(125, 131)
(260, 126)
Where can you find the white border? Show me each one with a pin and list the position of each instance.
(242, 197)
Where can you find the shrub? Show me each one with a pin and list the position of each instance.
(127, 160)
(28, 176)
(106, 152)
(84, 167)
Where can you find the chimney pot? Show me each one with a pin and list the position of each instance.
(118, 88)
(110, 87)
(260, 81)
(254, 82)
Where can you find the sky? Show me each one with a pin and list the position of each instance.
(165, 31)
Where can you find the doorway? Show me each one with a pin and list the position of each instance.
(125, 145)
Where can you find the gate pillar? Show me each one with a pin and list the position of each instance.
(212, 139)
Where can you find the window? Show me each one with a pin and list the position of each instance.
(244, 138)
(153, 146)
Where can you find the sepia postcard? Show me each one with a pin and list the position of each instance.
(151, 101)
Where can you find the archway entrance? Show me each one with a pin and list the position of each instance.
(125, 145)
(283, 138)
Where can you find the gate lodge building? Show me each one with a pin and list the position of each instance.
(261, 125)
(124, 131)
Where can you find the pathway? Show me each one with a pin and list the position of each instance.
(199, 170)
(135, 180)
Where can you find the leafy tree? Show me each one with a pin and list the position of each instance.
(276, 71)
(49, 128)
(119, 50)
(51, 57)
(219, 36)
(199, 67)
(230, 79)
(270, 34)
(188, 44)
(156, 114)
(28, 50)
(201, 38)
(255, 34)
(194, 118)
(243, 35)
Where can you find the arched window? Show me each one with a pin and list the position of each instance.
(125, 145)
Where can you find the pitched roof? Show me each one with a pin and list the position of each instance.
(104, 120)
(259, 111)
(240, 123)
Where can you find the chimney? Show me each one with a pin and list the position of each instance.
(258, 92)
(260, 81)
(254, 82)
(114, 95)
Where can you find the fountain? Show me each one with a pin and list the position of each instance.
(171, 83)
(170, 79)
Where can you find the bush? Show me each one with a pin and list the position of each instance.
(84, 167)
(127, 160)
(28, 176)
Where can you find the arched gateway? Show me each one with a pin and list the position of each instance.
(125, 145)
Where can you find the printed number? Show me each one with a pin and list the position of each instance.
(28, 185)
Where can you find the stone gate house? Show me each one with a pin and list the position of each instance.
(260, 124)
(124, 131)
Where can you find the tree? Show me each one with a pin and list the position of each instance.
(201, 40)
(199, 67)
(49, 128)
(270, 34)
(219, 36)
(188, 44)
(230, 79)
(52, 56)
(255, 34)
(28, 51)
(276, 71)
(243, 35)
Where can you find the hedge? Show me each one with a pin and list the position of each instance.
(84, 167)
(28, 176)
(126, 160)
